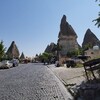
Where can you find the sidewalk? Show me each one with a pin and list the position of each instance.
(72, 78)
(69, 75)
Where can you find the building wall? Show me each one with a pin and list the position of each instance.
(93, 53)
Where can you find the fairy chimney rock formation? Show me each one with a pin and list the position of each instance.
(67, 38)
(22, 56)
(13, 51)
(51, 48)
(90, 40)
(66, 28)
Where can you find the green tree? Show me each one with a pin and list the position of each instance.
(2, 50)
(98, 18)
(46, 57)
(72, 53)
(87, 46)
(75, 53)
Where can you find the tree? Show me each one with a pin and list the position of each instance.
(97, 19)
(72, 53)
(75, 53)
(2, 50)
(46, 57)
(87, 46)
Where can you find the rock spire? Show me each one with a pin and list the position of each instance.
(22, 56)
(67, 38)
(90, 39)
(66, 28)
(13, 51)
(51, 48)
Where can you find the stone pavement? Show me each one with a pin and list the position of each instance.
(31, 82)
(73, 79)
(69, 75)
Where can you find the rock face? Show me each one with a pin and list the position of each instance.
(22, 56)
(51, 48)
(65, 28)
(90, 39)
(67, 38)
(13, 51)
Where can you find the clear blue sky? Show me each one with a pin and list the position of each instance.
(33, 24)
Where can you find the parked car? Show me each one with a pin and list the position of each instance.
(57, 64)
(15, 62)
(6, 64)
(70, 63)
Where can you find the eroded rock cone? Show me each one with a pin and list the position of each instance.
(66, 28)
(67, 38)
(51, 48)
(90, 40)
(13, 51)
(22, 56)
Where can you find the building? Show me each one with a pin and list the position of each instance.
(94, 52)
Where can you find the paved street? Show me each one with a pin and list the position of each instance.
(31, 82)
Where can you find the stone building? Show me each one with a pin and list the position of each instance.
(93, 52)
(67, 39)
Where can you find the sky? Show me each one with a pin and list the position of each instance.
(33, 24)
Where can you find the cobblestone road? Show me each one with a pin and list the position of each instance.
(31, 82)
